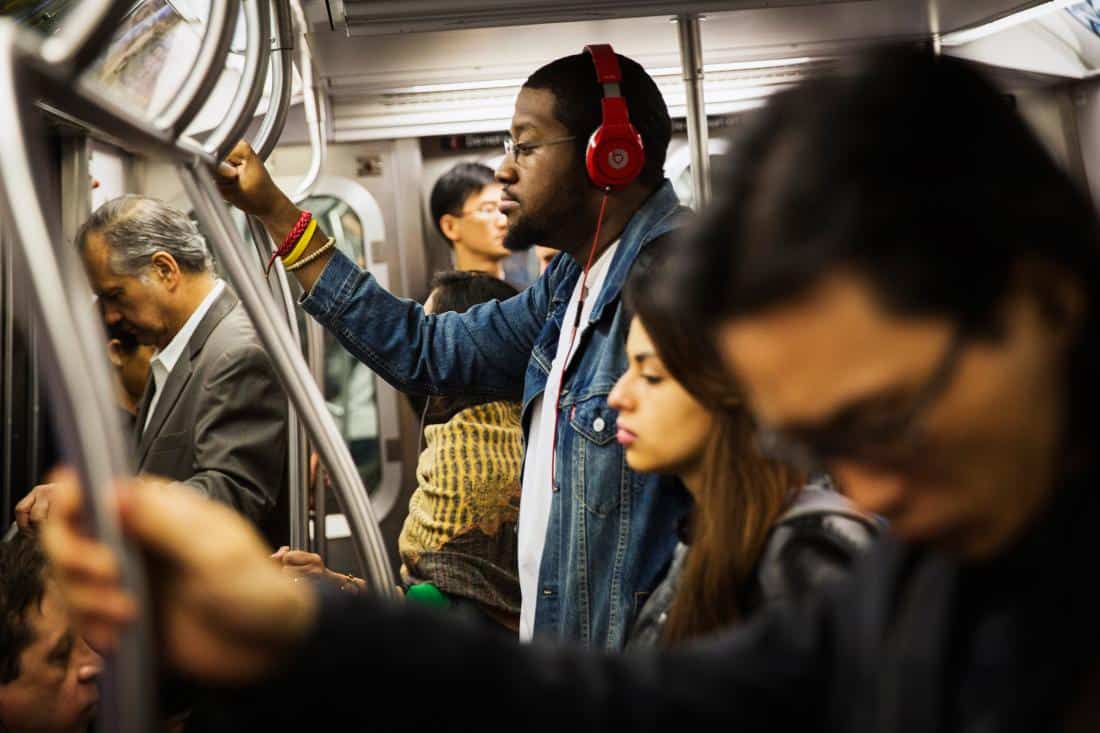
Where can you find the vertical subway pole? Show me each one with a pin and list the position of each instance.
(691, 60)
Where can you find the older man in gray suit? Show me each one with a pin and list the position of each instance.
(213, 415)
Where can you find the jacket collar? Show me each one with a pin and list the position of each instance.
(657, 216)
(226, 302)
(170, 354)
(179, 376)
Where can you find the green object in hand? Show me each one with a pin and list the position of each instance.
(427, 594)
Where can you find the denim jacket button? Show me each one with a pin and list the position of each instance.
(598, 425)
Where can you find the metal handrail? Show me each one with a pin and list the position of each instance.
(298, 441)
(293, 373)
(271, 128)
(315, 358)
(311, 105)
(79, 382)
(84, 35)
(257, 17)
(299, 454)
(209, 65)
(282, 58)
(691, 60)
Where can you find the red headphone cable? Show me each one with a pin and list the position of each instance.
(572, 341)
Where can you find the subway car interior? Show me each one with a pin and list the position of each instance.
(358, 107)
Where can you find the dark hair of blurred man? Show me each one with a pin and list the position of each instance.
(908, 286)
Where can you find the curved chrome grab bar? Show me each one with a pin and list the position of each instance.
(311, 104)
(293, 373)
(282, 50)
(282, 58)
(209, 65)
(79, 382)
(251, 88)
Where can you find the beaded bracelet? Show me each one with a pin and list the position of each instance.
(317, 253)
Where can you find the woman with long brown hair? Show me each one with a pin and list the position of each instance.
(759, 531)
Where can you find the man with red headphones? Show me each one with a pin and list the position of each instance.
(583, 175)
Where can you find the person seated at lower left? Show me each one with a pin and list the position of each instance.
(48, 674)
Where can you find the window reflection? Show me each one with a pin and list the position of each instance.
(135, 70)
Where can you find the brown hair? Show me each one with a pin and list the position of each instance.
(742, 495)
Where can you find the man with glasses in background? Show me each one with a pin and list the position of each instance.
(594, 537)
(465, 206)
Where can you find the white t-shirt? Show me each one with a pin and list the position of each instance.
(537, 497)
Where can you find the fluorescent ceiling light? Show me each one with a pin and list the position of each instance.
(968, 35)
(739, 66)
(751, 65)
(470, 86)
(459, 86)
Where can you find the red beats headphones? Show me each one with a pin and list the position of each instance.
(615, 154)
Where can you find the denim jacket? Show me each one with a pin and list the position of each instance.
(612, 532)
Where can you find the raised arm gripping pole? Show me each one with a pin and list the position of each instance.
(76, 373)
(291, 368)
(282, 59)
(209, 65)
(257, 16)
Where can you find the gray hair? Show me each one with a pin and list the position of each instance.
(137, 227)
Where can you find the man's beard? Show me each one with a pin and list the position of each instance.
(546, 226)
(524, 234)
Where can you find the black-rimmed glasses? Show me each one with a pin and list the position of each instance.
(516, 150)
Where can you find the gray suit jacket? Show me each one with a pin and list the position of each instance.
(221, 423)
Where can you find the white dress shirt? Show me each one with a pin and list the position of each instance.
(536, 499)
(164, 361)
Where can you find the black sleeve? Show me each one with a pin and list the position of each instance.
(385, 665)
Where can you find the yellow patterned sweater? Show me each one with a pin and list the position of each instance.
(460, 532)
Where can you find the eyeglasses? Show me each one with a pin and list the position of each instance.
(882, 441)
(516, 151)
(487, 209)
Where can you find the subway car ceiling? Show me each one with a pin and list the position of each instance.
(414, 69)
(392, 70)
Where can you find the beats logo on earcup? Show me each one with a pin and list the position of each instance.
(618, 159)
